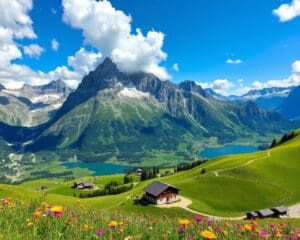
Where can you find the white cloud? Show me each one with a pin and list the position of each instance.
(33, 50)
(54, 44)
(220, 86)
(288, 11)
(15, 23)
(292, 80)
(15, 19)
(109, 30)
(83, 62)
(234, 61)
(175, 67)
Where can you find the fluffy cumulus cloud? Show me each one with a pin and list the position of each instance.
(109, 30)
(221, 86)
(292, 80)
(16, 24)
(54, 44)
(83, 61)
(33, 50)
(288, 11)
(234, 61)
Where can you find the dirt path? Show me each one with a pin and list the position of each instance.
(185, 202)
(294, 211)
(242, 165)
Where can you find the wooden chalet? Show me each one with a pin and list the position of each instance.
(161, 193)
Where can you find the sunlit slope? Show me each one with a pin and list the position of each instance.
(230, 186)
(238, 183)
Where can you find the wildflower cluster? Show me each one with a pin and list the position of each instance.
(45, 221)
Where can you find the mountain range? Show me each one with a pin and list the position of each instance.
(283, 100)
(128, 118)
(132, 117)
(32, 105)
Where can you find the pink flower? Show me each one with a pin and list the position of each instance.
(99, 232)
(58, 214)
(198, 218)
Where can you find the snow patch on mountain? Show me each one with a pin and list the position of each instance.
(133, 93)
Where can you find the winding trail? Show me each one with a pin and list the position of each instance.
(184, 203)
(216, 172)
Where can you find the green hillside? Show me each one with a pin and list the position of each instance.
(230, 186)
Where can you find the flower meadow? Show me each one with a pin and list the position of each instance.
(39, 220)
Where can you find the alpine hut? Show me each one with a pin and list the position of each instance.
(161, 193)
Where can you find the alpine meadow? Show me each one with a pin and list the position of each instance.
(148, 120)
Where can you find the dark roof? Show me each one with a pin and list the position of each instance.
(155, 188)
(254, 214)
(265, 212)
(280, 209)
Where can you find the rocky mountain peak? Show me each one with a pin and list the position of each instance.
(192, 87)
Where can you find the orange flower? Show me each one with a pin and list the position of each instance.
(246, 228)
(113, 224)
(37, 215)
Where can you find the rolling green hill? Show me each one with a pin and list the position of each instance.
(230, 186)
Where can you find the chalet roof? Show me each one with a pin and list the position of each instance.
(254, 214)
(265, 212)
(155, 188)
(280, 209)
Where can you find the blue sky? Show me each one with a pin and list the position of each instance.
(200, 36)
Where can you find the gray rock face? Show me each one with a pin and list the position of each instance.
(32, 105)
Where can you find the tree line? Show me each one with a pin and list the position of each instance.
(286, 137)
(186, 166)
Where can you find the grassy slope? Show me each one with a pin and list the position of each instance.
(266, 182)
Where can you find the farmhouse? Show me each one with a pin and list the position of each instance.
(83, 185)
(161, 193)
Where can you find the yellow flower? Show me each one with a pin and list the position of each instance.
(184, 222)
(128, 238)
(113, 224)
(29, 224)
(208, 235)
(225, 232)
(56, 209)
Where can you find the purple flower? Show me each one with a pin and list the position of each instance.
(210, 222)
(264, 234)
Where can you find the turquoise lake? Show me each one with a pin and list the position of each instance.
(226, 150)
(98, 169)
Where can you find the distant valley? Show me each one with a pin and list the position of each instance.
(124, 118)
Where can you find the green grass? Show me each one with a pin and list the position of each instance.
(239, 187)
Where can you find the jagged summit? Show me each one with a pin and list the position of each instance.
(193, 87)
